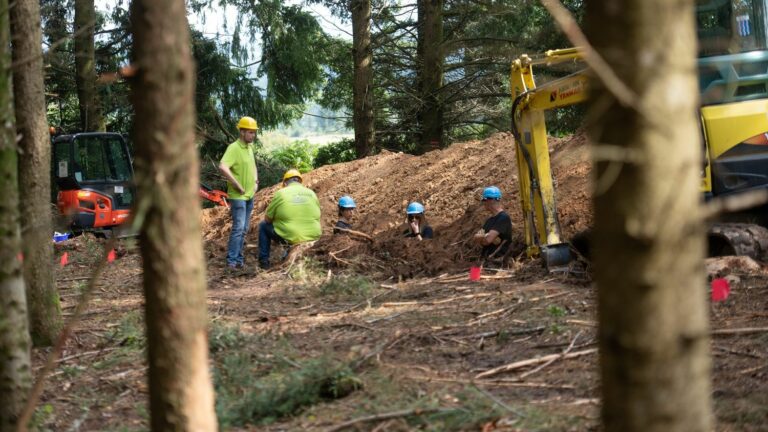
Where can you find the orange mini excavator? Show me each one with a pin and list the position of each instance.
(94, 176)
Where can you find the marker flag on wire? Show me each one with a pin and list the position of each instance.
(20, 257)
(720, 289)
(64, 259)
(111, 256)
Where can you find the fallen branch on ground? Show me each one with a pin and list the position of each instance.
(565, 352)
(387, 416)
(531, 362)
(735, 331)
(506, 333)
(354, 233)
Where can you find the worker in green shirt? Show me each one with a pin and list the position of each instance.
(293, 216)
(238, 165)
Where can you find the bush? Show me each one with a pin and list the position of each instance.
(341, 151)
(298, 154)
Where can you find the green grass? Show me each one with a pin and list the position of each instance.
(130, 331)
(346, 287)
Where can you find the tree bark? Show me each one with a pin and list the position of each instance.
(649, 236)
(430, 74)
(181, 393)
(34, 173)
(15, 368)
(85, 67)
(363, 81)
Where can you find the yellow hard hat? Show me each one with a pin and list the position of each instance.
(291, 173)
(247, 123)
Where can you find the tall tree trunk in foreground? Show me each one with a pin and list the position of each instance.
(85, 67)
(649, 236)
(34, 172)
(15, 370)
(181, 393)
(430, 74)
(363, 85)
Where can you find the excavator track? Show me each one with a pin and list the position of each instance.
(738, 239)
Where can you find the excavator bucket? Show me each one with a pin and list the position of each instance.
(556, 256)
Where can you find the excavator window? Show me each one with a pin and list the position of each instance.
(99, 159)
(730, 26)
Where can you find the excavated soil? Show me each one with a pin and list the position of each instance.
(448, 182)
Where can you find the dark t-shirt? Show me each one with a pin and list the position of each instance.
(426, 232)
(341, 224)
(503, 225)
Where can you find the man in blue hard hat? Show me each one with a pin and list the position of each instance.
(496, 234)
(417, 222)
(346, 210)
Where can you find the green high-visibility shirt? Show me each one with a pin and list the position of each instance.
(241, 161)
(295, 213)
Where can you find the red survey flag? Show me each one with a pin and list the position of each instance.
(111, 255)
(65, 259)
(720, 289)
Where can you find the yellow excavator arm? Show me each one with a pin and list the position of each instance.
(537, 194)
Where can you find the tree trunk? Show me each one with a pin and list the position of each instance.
(363, 85)
(649, 236)
(85, 67)
(15, 367)
(181, 393)
(430, 74)
(34, 173)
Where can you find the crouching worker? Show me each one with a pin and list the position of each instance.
(496, 233)
(417, 222)
(346, 210)
(292, 217)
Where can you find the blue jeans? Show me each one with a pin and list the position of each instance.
(266, 235)
(241, 218)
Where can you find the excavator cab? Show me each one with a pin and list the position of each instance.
(93, 173)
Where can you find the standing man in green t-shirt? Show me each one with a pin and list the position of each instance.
(239, 167)
(293, 216)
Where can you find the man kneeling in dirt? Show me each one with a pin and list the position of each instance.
(496, 233)
(292, 217)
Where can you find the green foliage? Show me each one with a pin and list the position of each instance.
(347, 286)
(130, 331)
(280, 393)
(298, 154)
(556, 311)
(341, 151)
(253, 389)
(43, 417)
(223, 338)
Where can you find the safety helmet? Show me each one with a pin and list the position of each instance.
(491, 192)
(291, 173)
(247, 123)
(347, 202)
(414, 208)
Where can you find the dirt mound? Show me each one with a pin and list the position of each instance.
(448, 182)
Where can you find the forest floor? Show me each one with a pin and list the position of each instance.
(391, 334)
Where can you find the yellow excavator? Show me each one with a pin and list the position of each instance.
(733, 80)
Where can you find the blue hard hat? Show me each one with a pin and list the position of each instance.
(347, 202)
(414, 208)
(492, 192)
